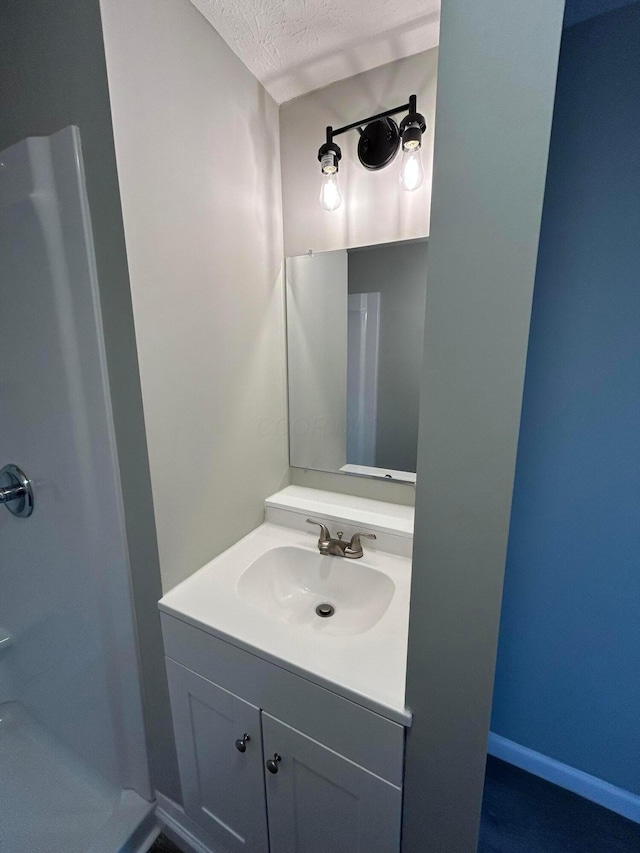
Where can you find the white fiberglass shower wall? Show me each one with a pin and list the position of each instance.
(73, 765)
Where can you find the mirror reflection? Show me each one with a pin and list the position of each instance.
(355, 329)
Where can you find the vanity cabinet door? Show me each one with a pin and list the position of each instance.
(320, 802)
(222, 785)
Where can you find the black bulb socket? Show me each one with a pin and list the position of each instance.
(330, 148)
(412, 127)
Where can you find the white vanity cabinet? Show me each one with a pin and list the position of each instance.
(222, 782)
(320, 802)
(271, 762)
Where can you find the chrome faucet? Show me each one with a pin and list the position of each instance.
(340, 547)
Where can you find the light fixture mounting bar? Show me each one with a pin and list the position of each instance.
(385, 114)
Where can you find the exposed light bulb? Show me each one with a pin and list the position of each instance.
(330, 195)
(411, 171)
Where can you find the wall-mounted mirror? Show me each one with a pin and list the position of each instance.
(355, 329)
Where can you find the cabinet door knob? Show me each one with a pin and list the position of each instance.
(241, 743)
(272, 763)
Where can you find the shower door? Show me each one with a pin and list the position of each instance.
(73, 770)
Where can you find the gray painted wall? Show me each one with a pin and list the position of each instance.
(399, 273)
(52, 74)
(496, 84)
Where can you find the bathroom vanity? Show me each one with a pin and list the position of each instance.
(290, 725)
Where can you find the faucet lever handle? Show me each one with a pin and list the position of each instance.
(355, 543)
(324, 530)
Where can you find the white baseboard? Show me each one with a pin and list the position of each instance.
(590, 787)
(180, 829)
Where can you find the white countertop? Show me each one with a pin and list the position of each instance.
(368, 668)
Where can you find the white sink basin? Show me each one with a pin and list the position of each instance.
(288, 583)
(261, 595)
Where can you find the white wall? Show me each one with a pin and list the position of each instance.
(492, 145)
(374, 209)
(196, 140)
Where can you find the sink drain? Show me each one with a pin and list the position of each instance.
(325, 610)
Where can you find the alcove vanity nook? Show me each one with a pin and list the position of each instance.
(286, 659)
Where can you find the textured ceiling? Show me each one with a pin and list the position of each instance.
(294, 46)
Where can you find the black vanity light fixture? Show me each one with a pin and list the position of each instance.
(380, 138)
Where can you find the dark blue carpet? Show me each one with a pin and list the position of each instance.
(524, 814)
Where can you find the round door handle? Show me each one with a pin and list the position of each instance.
(241, 743)
(272, 763)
